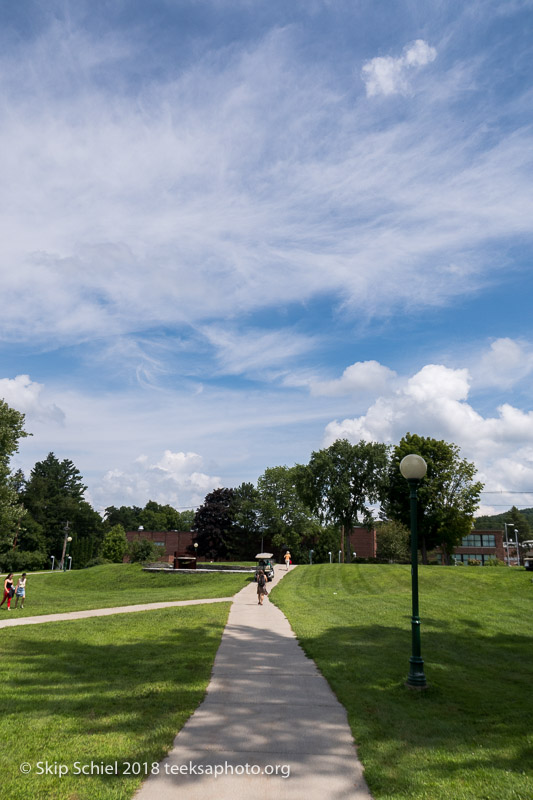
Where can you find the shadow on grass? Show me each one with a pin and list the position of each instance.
(476, 714)
(80, 697)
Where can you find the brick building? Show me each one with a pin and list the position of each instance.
(179, 542)
(363, 542)
(479, 546)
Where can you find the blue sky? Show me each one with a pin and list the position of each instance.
(233, 231)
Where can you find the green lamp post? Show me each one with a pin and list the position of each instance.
(413, 469)
(69, 539)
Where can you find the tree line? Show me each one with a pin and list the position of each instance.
(302, 507)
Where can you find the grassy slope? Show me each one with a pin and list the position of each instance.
(469, 736)
(100, 690)
(119, 585)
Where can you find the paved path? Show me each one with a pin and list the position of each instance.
(266, 705)
(12, 620)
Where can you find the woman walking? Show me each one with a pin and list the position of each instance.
(8, 591)
(261, 586)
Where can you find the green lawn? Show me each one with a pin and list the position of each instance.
(119, 585)
(101, 690)
(470, 735)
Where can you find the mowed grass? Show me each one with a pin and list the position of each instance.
(469, 736)
(101, 690)
(119, 585)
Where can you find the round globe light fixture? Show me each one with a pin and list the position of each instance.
(413, 467)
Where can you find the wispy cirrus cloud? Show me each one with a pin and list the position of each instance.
(255, 184)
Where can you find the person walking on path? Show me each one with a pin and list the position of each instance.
(261, 587)
(287, 560)
(20, 590)
(8, 591)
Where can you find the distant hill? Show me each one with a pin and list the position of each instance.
(496, 521)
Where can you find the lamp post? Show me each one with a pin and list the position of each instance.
(505, 525)
(311, 556)
(340, 551)
(517, 548)
(196, 550)
(413, 468)
(69, 539)
(69, 562)
(329, 553)
(53, 560)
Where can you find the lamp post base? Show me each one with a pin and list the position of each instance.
(416, 678)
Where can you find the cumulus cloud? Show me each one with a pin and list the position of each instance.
(363, 376)
(434, 402)
(176, 479)
(506, 363)
(25, 395)
(387, 75)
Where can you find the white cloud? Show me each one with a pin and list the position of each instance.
(24, 395)
(256, 183)
(387, 75)
(363, 376)
(255, 351)
(506, 363)
(175, 479)
(433, 403)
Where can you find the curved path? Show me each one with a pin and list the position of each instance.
(64, 616)
(266, 706)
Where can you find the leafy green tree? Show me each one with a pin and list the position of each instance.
(519, 522)
(141, 550)
(153, 517)
(342, 481)
(11, 508)
(447, 497)
(285, 520)
(127, 516)
(115, 544)
(213, 524)
(186, 520)
(392, 541)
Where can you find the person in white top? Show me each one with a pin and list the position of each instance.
(20, 591)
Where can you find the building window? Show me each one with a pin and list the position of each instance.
(479, 540)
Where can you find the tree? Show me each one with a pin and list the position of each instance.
(11, 509)
(142, 550)
(447, 497)
(115, 544)
(213, 523)
(392, 541)
(54, 495)
(127, 516)
(244, 537)
(153, 517)
(285, 520)
(342, 481)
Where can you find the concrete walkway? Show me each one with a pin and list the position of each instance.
(13, 621)
(267, 707)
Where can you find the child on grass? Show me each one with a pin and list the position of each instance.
(20, 591)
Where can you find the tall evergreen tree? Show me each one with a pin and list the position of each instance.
(54, 495)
